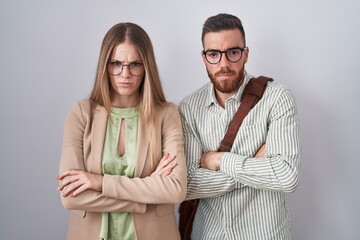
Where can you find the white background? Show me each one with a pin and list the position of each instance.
(48, 56)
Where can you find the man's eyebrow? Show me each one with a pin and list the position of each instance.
(217, 50)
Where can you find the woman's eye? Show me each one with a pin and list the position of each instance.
(136, 64)
(115, 63)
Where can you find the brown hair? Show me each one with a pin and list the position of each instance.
(220, 22)
(151, 92)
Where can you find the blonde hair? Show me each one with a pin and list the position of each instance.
(150, 90)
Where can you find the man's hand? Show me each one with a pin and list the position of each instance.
(261, 152)
(211, 160)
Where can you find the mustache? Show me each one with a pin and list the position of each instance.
(225, 71)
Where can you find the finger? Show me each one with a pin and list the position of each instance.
(72, 188)
(166, 155)
(66, 191)
(79, 190)
(167, 172)
(170, 170)
(164, 161)
(68, 180)
(167, 166)
(202, 161)
(64, 183)
(160, 172)
(66, 173)
(170, 167)
(261, 152)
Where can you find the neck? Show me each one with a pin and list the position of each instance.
(222, 97)
(125, 101)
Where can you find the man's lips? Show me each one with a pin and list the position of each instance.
(224, 74)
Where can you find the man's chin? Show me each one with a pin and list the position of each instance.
(226, 86)
(226, 91)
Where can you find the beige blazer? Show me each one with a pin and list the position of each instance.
(150, 199)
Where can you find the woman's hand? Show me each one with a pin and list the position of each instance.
(74, 182)
(165, 166)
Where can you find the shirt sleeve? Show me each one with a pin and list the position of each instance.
(202, 183)
(72, 158)
(278, 170)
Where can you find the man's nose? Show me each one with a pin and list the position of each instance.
(224, 62)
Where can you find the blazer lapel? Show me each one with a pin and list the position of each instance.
(142, 148)
(98, 137)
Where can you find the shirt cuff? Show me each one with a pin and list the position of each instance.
(229, 163)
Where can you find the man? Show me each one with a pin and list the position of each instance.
(241, 192)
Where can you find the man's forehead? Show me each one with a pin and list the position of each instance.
(223, 40)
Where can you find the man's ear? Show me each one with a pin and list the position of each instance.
(203, 57)
(246, 54)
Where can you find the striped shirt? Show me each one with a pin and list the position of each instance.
(245, 199)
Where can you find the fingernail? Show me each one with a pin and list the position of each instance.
(58, 177)
(174, 163)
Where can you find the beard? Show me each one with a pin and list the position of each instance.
(231, 83)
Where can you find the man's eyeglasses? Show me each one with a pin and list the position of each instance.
(115, 68)
(214, 56)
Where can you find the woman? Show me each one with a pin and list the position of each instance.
(112, 173)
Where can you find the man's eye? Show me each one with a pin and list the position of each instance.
(213, 54)
(234, 52)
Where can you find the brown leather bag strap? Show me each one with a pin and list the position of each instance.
(253, 92)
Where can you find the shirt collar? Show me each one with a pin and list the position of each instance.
(237, 96)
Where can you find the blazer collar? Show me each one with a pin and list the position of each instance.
(142, 147)
(98, 137)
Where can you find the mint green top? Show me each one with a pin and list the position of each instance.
(119, 225)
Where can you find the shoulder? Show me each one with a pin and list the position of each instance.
(84, 109)
(276, 86)
(277, 93)
(197, 98)
(167, 113)
(275, 90)
(166, 108)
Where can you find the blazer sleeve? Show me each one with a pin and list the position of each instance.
(156, 189)
(78, 123)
